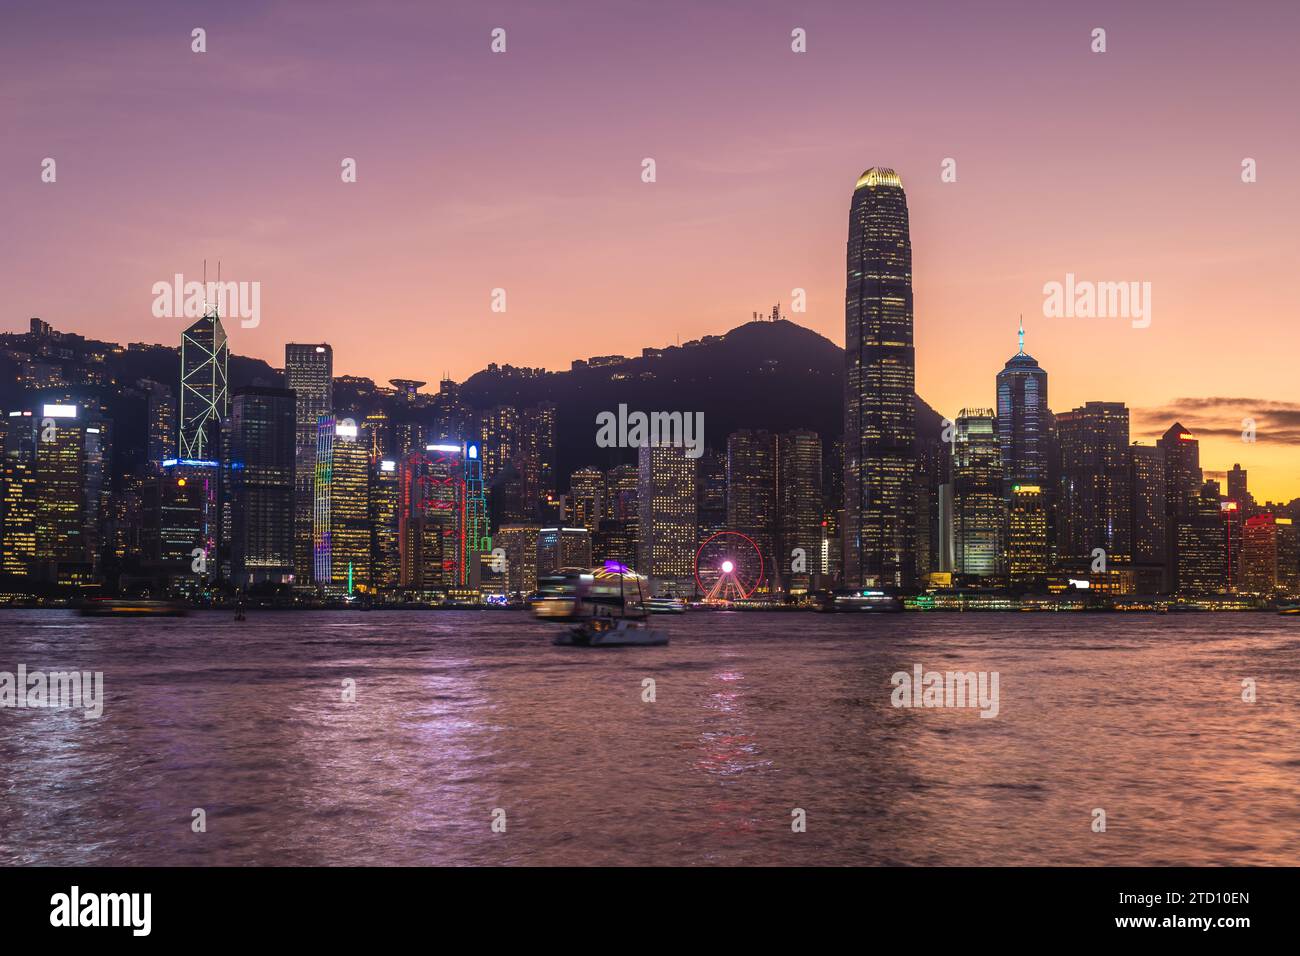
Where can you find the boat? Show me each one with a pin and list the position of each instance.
(666, 605)
(1291, 608)
(111, 607)
(605, 607)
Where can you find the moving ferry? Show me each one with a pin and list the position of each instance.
(606, 606)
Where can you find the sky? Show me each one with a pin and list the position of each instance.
(522, 171)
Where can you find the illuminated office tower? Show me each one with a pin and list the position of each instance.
(711, 494)
(432, 530)
(1027, 536)
(1150, 521)
(1201, 544)
(614, 542)
(499, 440)
(622, 484)
(879, 382)
(799, 506)
(751, 490)
(1237, 485)
(309, 374)
(1022, 419)
(1096, 500)
(535, 457)
(205, 400)
(978, 506)
(19, 500)
(376, 432)
(260, 484)
(341, 529)
(69, 478)
(562, 548)
(182, 521)
(477, 535)
(385, 541)
(587, 493)
(666, 497)
(1240, 506)
(1182, 493)
(160, 410)
(519, 542)
(1268, 555)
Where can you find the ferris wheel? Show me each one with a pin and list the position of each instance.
(728, 567)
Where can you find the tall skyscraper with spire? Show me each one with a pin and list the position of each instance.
(880, 457)
(1022, 416)
(205, 399)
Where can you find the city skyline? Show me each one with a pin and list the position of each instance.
(1030, 205)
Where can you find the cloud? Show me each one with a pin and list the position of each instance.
(1224, 417)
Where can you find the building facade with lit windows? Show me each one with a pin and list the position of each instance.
(979, 508)
(309, 374)
(1182, 493)
(879, 385)
(1095, 502)
(1201, 545)
(520, 544)
(752, 505)
(562, 548)
(587, 498)
(385, 540)
(1268, 555)
(341, 526)
(799, 490)
(432, 530)
(259, 469)
(1027, 550)
(666, 496)
(1150, 518)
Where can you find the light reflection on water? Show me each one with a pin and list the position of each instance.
(458, 714)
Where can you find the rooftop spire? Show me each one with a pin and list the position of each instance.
(1022, 333)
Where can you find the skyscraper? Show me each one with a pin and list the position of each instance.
(385, 549)
(309, 373)
(1182, 495)
(260, 478)
(1201, 544)
(519, 542)
(341, 529)
(431, 517)
(799, 489)
(751, 489)
(1150, 521)
(205, 400)
(1268, 555)
(161, 418)
(563, 548)
(18, 497)
(587, 495)
(1027, 536)
(879, 383)
(1022, 419)
(979, 508)
(1096, 500)
(666, 496)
